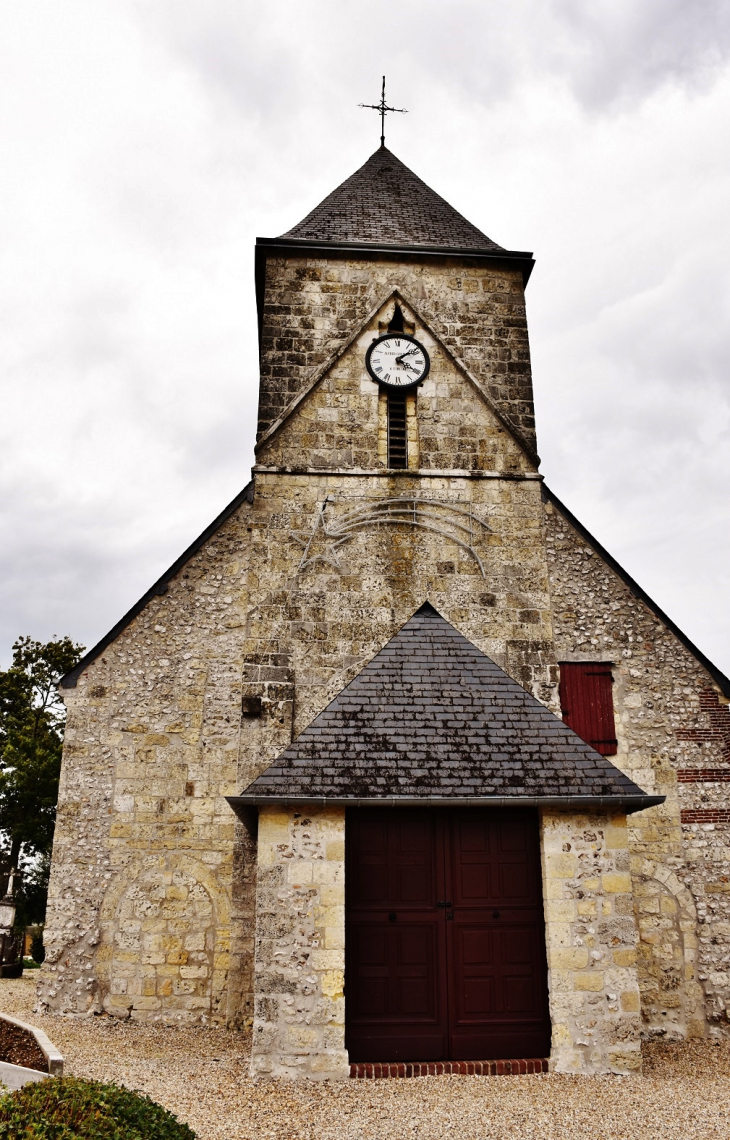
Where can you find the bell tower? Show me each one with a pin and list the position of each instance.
(382, 230)
(395, 366)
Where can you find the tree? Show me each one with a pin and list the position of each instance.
(32, 718)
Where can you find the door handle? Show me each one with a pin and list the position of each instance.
(444, 905)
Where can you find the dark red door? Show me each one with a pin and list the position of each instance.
(445, 946)
(394, 878)
(496, 940)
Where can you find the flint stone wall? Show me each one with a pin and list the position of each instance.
(197, 696)
(673, 730)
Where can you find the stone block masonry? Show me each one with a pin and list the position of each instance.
(314, 304)
(591, 944)
(299, 1021)
(341, 424)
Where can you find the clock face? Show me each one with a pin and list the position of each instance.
(397, 360)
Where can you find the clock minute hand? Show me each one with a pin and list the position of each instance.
(409, 353)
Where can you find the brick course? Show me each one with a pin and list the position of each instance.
(369, 1070)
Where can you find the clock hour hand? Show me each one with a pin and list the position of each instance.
(409, 353)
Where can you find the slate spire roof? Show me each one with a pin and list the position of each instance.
(432, 718)
(386, 203)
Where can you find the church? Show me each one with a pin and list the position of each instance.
(396, 765)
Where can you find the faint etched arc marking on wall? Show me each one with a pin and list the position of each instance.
(323, 542)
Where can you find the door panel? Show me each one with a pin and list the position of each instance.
(497, 973)
(431, 981)
(395, 936)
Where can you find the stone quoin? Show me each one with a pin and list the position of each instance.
(396, 765)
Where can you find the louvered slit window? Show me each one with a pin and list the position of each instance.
(586, 702)
(397, 432)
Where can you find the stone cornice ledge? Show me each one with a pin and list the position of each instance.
(399, 473)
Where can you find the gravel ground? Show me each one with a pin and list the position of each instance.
(202, 1076)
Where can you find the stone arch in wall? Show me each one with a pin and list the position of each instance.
(672, 1001)
(164, 931)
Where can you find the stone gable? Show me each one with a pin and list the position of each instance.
(312, 305)
(156, 737)
(669, 715)
(341, 422)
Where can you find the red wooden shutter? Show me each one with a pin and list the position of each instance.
(586, 702)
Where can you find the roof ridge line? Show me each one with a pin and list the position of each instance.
(158, 588)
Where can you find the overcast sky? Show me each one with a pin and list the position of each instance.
(146, 144)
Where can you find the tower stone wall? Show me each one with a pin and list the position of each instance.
(314, 304)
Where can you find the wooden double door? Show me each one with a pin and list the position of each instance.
(445, 937)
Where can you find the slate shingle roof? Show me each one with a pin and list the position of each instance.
(386, 203)
(432, 717)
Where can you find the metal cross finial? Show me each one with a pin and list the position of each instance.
(382, 107)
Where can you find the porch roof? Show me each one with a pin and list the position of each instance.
(432, 719)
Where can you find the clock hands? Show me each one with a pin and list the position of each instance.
(392, 364)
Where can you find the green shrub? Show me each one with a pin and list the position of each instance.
(37, 949)
(67, 1108)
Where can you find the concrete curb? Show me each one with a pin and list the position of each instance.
(54, 1059)
(15, 1076)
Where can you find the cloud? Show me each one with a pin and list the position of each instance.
(624, 51)
(150, 144)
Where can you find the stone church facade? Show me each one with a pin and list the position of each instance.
(350, 695)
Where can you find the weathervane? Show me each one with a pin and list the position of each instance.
(382, 107)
